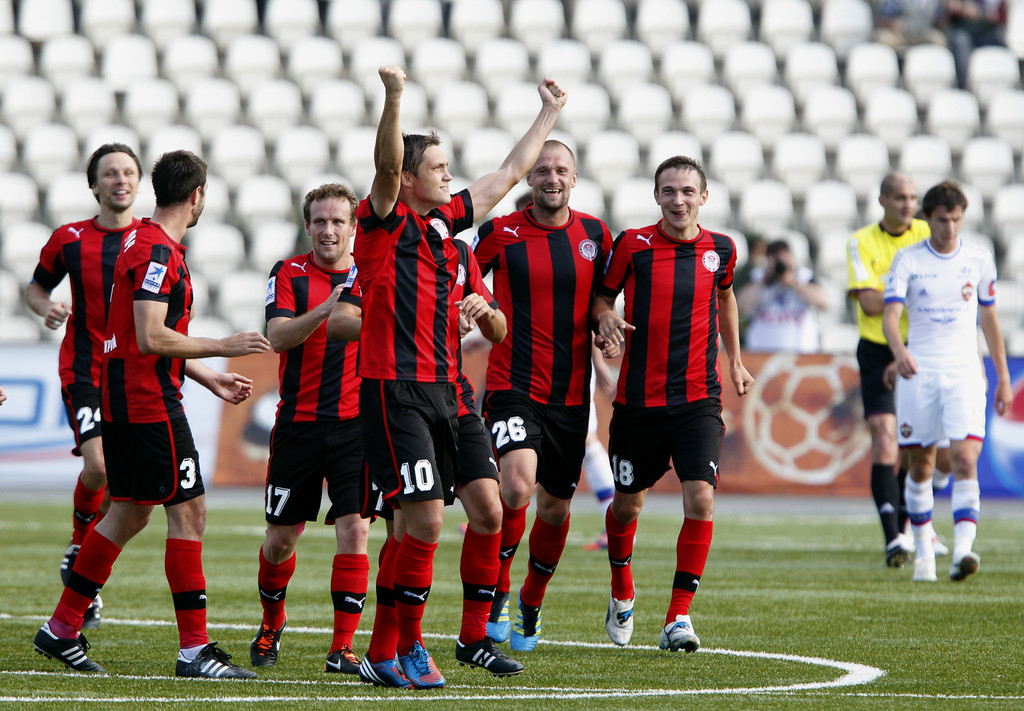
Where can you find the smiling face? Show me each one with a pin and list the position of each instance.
(330, 229)
(428, 187)
(117, 182)
(551, 180)
(679, 193)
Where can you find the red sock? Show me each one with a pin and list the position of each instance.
(546, 545)
(513, 527)
(87, 506)
(273, 585)
(92, 569)
(620, 555)
(414, 571)
(479, 570)
(183, 565)
(350, 577)
(691, 555)
(384, 640)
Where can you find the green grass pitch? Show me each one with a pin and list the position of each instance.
(796, 611)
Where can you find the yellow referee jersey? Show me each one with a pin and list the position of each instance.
(868, 256)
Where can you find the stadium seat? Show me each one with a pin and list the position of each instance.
(87, 103)
(830, 207)
(313, 61)
(336, 105)
(974, 218)
(368, 56)
(241, 299)
(928, 160)
(171, 138)
(291, 22)
(723, 23)
(69, 199)
(16, 60)
(633, 205)
(236, 152)
(830, 112)
(567, 59)
(218, 199)
(765, 206)
(832, 251)
(954, 116)
(659, 23)
(1005, 117)
(39, 20)
(10, 294)
(460, 107)
(19, 250)
(588, 112)
(1008, 214)
(127, 59)
(272, 241)
(891, 114)
(645, 110)
(845, 24)
(353, 20)
(536, 22)
(991, 70)
(223, 20)
(672, 143)
(274, 105)
(987, 163)
(211, 104)
(810, 65)
(862, 160)
(737, 159)
(109, 133)
(250, 59)
(299, 153)
(8, 149)
(746, 65)
(483, 150)
(49, 149)
(102, 20)
(413, 21)
(19, 200)
(685, 65)
(588, 197)
(717, 211)
(473, 23)
(437, 61)
(768, 112)
(799, 161)
(355, 156)
(517, 104)
(785, 24)
(216, 249)
(149, 104)
(1015, 29)
(927, 68)
(6, 19)
(598, 23)
(26, 102)
(415, 115)
(871, 66)
(623, 63)
(189, 58)
(610, 158)
(65, 58)
(709, 111)
(500, 62)
(164, 20)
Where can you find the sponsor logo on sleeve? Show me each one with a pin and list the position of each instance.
(271, 291)
(154, 277)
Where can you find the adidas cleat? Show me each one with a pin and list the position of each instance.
(679, 635)
(264, 648)
(619, 620)
(342, 661)
(420, 669)
(940, 548)
(499, 626)
(486, 655)
(598, 544)
(968, 565)
(897, 554)
(526, 630)
(924, 570)
(212, 662)
(387, 673)
(71, 652)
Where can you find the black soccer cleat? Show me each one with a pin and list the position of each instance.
(486, 655)
(212, 662)
(343, 661)
(91, 618)
(263, 650)
(71, 652)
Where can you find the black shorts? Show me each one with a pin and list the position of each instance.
(152, 462)
(82, 405)
(558, 433)
(305, 454)
(410, 436)
(476, 456)
(873, 358)
(643, 439)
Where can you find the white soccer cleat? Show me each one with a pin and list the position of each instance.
(679, 635)
(939, 547)
(619, 620)
(924, 570)
(968, 565)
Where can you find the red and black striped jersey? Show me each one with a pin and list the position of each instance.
(318, 377)
(672, 300)
(544, 278)
(140, 387)
(470, 281)
(408, 265)
(85, 253)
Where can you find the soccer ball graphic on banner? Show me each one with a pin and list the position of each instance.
(1004, 445)
(804, 419)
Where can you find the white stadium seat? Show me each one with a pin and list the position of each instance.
(659, 23)
(164, 20)
(109, 133)
(368, 56)
(672, 143)
(86, 103)
(127, 59)
(472, 23)
(737, 159)
(301, 152)
(8, 148)
(355, 156)
(927, 160)
(862, 160)
(799, 161)
(567, 59)
(927, 68)
(189, 58)
(765, 206)
(211, 104)
(954, 116)
(236, 152)
(270, 242)
(987, 163)
(746, 65)
(891, 114)
(845, 24)
(353, 20)
(1008, 216)
(785, 24)
(437, 61)
(610, 158)
(483, 150)
(685, 65)
(291, 22)
(499, 62)
(623, 63)
(65, 58)
(69, 199)
(1005, 118)
(723, 23)
(588, 197)
(830, 207)
(49, 149)
(769, 113)
(871, 66)
(149, 104)
(633, 205)
(415, 115)
(171, 138)
(460, 107)
(414, 21)
(536, 22)
(241, 300)
(19, 199)
(586, 113)
(337, 105)
(598, 23)
(39, 20)
(709, 111)
(274, 105)
(717, 211)
(16, 59)
(102, 20)
(313, 61)
(516, 106)
(250, 59)
(810, 65)
(991, 70)
(645, 110)
(223, 20)
(19, 250)
(215, 249)
(26, 102)
(830, 112)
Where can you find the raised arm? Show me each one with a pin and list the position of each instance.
(154, 336)
(488, 190)
(389, 150)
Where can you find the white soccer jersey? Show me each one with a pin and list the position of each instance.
(941, 293)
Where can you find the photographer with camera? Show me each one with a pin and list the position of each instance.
(781, 302)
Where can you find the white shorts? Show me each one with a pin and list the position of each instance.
(935, 405)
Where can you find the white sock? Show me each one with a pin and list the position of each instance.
(189, 654)
(920, 502)
(966, 502)
(599, 474)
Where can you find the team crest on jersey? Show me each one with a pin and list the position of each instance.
(588, 250)
(351, 280)
(968, 291)
(461, 278)
(906, 430)
(711, 261)
(154, 277)
(991, 290)
(129, 240)
(440, 227)
(271, 291)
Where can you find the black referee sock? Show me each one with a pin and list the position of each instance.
(904, 512)
(885, 489)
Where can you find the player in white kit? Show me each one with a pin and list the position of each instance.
(941, 283)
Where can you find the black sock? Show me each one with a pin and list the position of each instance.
(885, 490)
(904, 514)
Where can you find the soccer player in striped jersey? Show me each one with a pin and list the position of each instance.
(677, 278)
(317, 435)
(85, 252)
(408, 266)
